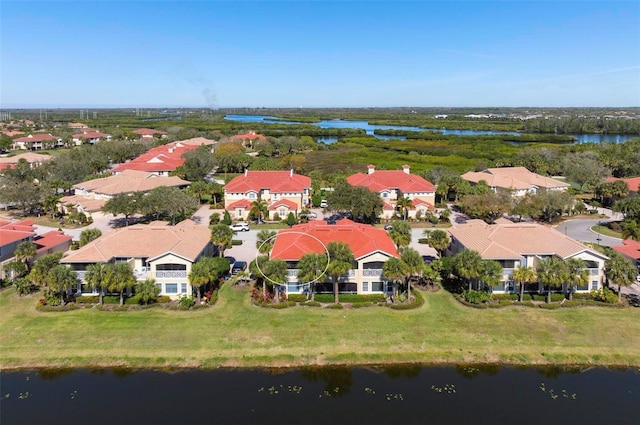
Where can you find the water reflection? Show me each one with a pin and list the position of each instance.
(385, 394)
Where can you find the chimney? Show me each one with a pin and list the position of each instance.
(371, 169)
(291, 173)
(405, 168)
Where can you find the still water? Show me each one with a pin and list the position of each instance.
(333, 395)
(370, 128)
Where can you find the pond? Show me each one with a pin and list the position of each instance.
(336, 395)
(370, 128)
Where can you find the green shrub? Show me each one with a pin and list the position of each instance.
(56, 308)
(424, 241)
(88, 299)
(297, 298)
(538, 297)
(133, 300)
(164, 299)
(530, 304)
(604, 295)
(110, 299)
(199, 306)
(476, 297)
(336, 306)
(351, 298)
(362, 304)
(550, 306)
(501, 297)
(24, 286)
(417, 302)
(278, 306)
(214, 297)
(571, 304)
(185, 303)
(556, 298)
(235, 242)
(311, 304)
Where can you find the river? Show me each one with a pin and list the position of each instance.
(370, 129)
(331, 395)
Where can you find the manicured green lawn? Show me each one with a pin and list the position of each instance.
(235, 333)
(604, 230)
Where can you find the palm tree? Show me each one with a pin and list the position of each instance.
(276, 272)
(199, 276)
(619, 270)
(25, 252)
(42, 266)
(311, 267)
(61, 278)
(221, 236)
(118, 277)
(259, 209)
(265, 241)
(468, 265)
(400, 233)
(522, 275)
(340, 262)
(491, 273)
(147, 290)
(396, 270)
(415, 266)
(551, 272)
(577, 274)
(94, 277)
(438, 240)
(631, 230)
(403, 204)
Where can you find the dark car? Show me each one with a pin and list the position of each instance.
(239, 266)
(633, 299)
(231, 260)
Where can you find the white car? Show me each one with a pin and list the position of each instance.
(240, 227)
(312, 215)
(323, 204)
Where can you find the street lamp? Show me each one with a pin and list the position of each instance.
(598, 238)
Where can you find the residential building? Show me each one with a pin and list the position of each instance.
(13, 234)
(90, 196)
(148, 133)
(283, 191)
(248, 138)
(35, 142)
(153, 251)
(90, 137)
(77, 125)
(633, 183)
(33, 159)
(162, 160)
(631, 250)
(371, 248)
(518, 181)
(393, 185)
(524, 244)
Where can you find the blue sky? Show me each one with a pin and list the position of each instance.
(319, 53)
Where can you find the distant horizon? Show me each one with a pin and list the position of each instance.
(320, 54)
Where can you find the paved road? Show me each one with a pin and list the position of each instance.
(580, 229)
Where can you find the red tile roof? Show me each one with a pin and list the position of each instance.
(51, 240)
(164, 158)
(248, 136)
(291, 244)
(633, 182)
(380, 180)
(15, 231)
(147, 132)
(417, 202)
(284, 202)
(630, 248)
(275, 181)
(89, 135)
(33, 138)
(243, 203)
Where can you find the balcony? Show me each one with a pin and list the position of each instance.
(292, 273)
(80, 274)
(171, 274)
(371, 272)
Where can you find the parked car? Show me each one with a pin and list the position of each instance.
(240, 227)
(312, 215)
(230, 259)
(388, 227)
(323, 204)
(238, 266)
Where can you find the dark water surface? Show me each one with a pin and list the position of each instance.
(393, 395)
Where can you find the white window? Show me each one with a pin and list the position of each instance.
(171, 288)
(283, 212)
(385, 195)
(252, 195)
(594, 285)
(183, 288)
(365, 286)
